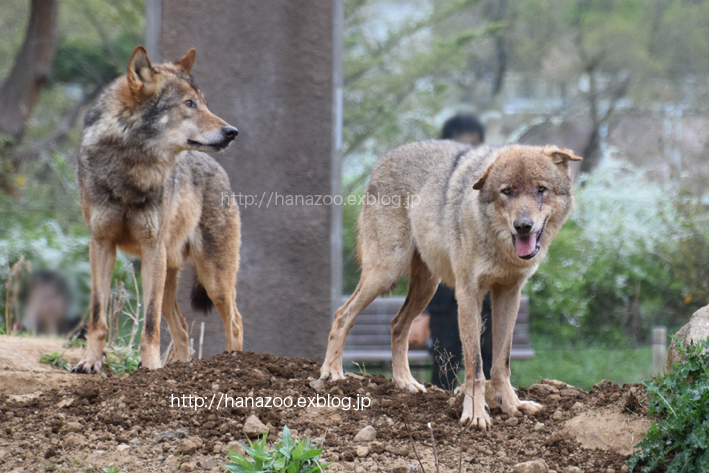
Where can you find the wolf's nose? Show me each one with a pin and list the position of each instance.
(230, 132)
(523, 225)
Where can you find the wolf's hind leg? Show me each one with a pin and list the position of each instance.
(175, 319)
(422, 286)
(219, 280)
(385, 246)
(505, 305)
(102, 257)
(367, 290)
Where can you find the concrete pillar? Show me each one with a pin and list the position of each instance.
(273, 70)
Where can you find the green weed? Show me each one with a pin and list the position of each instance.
(289, 455)
(679, 442)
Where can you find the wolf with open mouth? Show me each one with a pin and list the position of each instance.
(485, 220)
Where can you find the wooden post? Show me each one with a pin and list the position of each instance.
(659, 350)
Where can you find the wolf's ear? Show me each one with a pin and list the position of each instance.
(187, 61)
(140, 70)
(481, 182)
(561, 156)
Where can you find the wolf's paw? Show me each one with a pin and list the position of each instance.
(480, 421)
(331, 372)
(407, 382)
(150, 362)
(150, 355)
(88, 367)
(519, 408)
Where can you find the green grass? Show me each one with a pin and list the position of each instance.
(585, 367)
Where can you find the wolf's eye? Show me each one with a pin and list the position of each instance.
(507, 191)
(541, 189)
(190, 104)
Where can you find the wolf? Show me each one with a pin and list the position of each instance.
(148, 188)
(483, 222)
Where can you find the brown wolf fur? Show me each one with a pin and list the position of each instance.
(146, 189)
(483, 220)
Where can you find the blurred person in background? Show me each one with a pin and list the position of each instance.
(47, 303)
(446, 347)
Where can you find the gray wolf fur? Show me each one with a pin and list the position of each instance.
(485, 220)
(147, 189)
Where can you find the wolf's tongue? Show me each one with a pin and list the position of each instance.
(526, 244)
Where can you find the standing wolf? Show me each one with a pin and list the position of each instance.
(147, 189)
(485, 220)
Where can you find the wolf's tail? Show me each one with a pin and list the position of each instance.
(200, 299)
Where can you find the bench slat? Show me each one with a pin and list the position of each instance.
(370, 337)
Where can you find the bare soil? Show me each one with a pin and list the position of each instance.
(96, 421)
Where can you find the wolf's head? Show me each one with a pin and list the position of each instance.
(527, 192)
(167, 109)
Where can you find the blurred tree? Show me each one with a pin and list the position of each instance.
(20, 90)
(395, 80)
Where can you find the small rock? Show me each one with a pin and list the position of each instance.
(696, 330)
(367, 434)
(359, 469)
(624, 469)
(189, 445)
(187, 466)
(573, 469)
(235, 447)
(557, 383)
(317, 385)
(122, 447)
(392, 449)
(362, 451)
(74, 427)
(512, 421)
(558, 415)
(74, 440)
(534, 466)
(400, 467)
(253, 427)
(610, 470)
(376, 447)
(538, 426)
(577, 406)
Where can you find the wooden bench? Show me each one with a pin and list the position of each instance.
(370, 337)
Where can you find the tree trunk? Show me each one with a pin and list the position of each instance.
(592, 151)
(33, 63)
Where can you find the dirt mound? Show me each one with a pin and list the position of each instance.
(135, 423)
(21, 373)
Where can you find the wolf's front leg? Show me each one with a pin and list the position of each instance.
(474, 406)
(102, 257)
(154, 271)
(505, 305)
